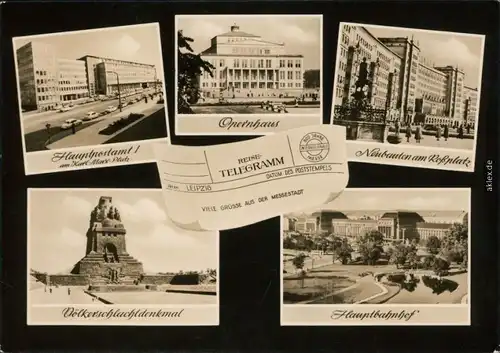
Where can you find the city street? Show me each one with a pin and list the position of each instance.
(38, 121)
(88, 132)
(251, 109)
(90, 136)
(431, 141)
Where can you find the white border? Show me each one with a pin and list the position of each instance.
(274, 117)
(395, 149)
(329, 307)
(115, 322)
(83, 148)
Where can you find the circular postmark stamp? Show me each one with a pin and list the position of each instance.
(314, 147)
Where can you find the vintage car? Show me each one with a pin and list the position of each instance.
(70, 122)
(65, 109)
(274, 106)
(90, 116)
(111, 109)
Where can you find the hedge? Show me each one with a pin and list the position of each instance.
(120, 124)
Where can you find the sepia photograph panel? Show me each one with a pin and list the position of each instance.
(113, 257)
(249, 74)
(408, 91)
(379, 257)
(88, 88)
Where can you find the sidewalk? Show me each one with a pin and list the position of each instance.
(90, 136)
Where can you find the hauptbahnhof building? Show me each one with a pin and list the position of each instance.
(394, 225)
(404, 82)
(47, 81)
(246, 65)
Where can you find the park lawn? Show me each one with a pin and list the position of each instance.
(152, 127)
(362, 291)
(36, 140)
(314, 287)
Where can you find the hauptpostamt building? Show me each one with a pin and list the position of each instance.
(47, 81)
(404, 82)
(102, 75)
(248, 66)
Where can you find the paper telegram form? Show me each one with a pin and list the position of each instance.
(233, 185)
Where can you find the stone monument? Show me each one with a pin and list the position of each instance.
(106, 260)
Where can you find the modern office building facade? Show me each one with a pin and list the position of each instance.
(102, 75)
(47, 81)
(402, 81)
(245, 65)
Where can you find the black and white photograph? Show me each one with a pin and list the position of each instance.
(88, 88)
(98, 255)
(410, 93)
(402, 254)
(249, 74)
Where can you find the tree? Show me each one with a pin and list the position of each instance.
(299, 262)
(189, 67)
(398, 255)
(440, 266)
(433, 245)
(343, 251)
(455, 245)
(370, 246)
(312, 79)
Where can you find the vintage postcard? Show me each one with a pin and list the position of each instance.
(236, 184)
(408, 96)
(247, 74)
(91, 98)
(379, 257)
(112, 257)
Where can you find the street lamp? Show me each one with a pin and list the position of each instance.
(119, 94)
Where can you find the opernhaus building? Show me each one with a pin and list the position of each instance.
(47, 81)
(247, 65)
(403, 83)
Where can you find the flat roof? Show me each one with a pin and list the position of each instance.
(110, 59)
(254, 56)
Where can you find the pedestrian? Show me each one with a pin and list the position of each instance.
(438, 132)
(69, 291)
(418, 133)
(73, 128)
(50, 290)
(446, 132)
(460, 131)
(408, 132)
(397, 127)
(468, 128)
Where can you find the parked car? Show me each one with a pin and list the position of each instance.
(70, 122)
(111, 109)
(65, 109)
(90, 116)
(275, 107)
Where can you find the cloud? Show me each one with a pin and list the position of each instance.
(369, 202)
(57, 253)
(143, 211)
(296, 34)
(198, 28)
(452, 51)
(428, 203)
(127, 45)
(167, 248)
(73, 205)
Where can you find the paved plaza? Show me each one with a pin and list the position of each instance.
(431, 141)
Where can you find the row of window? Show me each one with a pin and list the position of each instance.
(251, 51)
(250, 85)
(238, 75)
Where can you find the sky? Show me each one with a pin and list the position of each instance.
(138, 43)
(59, 220)
(384, 199)
(443, 48)
(301, 34)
